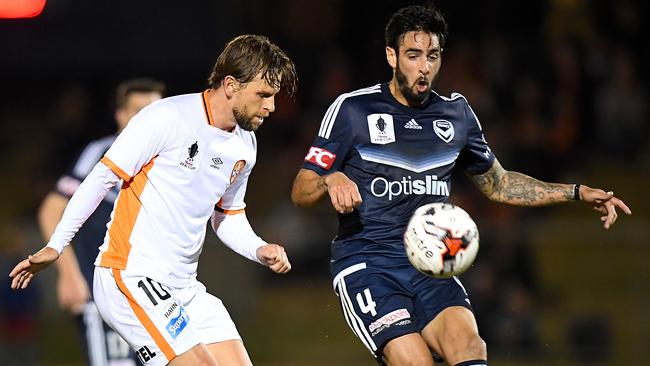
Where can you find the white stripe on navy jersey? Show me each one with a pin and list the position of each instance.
(91, 155)
(407, 165)
(330, 116)
(455, 96)
(334, 108)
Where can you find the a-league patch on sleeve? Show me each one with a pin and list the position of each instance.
(320, 157)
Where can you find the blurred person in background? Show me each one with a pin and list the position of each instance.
(382, 152)
(100, 344)
(183, 160)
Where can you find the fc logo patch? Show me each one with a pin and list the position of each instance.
(320, 157)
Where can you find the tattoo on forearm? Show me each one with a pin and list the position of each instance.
(522, 190)
(519, 189)
(321, 185)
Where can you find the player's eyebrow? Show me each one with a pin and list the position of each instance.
(418, 50)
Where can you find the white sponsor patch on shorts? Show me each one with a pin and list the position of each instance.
(390, 318)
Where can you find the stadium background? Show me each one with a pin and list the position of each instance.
(561, 88)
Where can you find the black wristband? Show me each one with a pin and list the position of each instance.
(576, 192)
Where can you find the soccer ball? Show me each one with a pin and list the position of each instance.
(441, 240)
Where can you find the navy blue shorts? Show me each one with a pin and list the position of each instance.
(382, 302)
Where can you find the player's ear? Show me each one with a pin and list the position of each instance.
(230, 85)
(391, 57)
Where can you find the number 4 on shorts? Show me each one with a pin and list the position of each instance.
(369, 305)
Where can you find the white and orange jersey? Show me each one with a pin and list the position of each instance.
(176, 167)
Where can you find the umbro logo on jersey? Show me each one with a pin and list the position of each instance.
(412, 125)
(444, 129)
(216, 163)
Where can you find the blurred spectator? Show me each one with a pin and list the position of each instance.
(621, 109)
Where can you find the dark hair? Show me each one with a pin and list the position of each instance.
(140, 85)
(415, 18)
(246, 56)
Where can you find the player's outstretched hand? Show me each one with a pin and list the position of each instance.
(24, 271)
(605, 203)
(344, 193)
(274, 256)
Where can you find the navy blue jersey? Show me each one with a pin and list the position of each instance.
(91, 235)
(400, 158)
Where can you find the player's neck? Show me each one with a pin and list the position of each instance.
(220, 109)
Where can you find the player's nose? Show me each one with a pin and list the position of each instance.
(425, 67)
(269, 104)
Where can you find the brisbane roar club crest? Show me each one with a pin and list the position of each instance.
(239, 166)
(444, 129)
(380, 127)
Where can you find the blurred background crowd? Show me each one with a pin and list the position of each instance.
(561, 88)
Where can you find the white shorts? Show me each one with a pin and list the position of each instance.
(157, 321)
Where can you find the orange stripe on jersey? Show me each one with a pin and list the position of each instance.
(116, 169)
(206, 107)
(126, 212)
(144, 318)
(227, 212)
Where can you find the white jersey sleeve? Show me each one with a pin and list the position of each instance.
(237, 234)
(82, 204)
(148, 134)
(232, 200)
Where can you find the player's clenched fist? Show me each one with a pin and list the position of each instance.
(344, 193)
(274, 256)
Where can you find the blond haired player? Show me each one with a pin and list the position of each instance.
(184, 160)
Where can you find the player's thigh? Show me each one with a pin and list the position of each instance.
(230, 352)
(454, 334)
(409, 349)
(376, 303)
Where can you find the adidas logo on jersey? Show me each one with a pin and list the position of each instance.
(412, 125)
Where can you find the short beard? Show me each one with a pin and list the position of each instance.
(413, 99)
(244, 122)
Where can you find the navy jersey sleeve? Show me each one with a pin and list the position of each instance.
(327, 153)
(83, 164)
(476, 157)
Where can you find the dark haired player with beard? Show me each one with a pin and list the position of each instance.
(380, 153)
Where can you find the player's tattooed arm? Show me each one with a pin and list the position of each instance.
(308, 188)
(518, 189)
